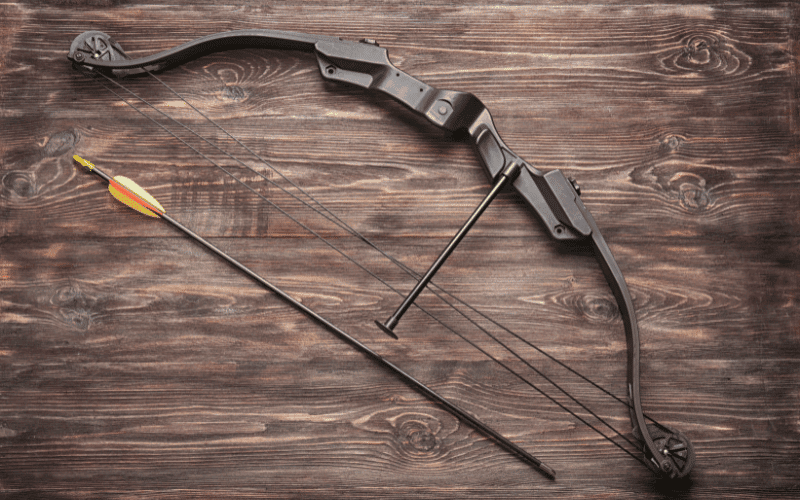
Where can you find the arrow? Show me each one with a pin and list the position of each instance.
(134, 196)
(127, 191)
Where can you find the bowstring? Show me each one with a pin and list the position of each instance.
(440, 292)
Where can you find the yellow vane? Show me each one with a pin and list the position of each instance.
(133, 195)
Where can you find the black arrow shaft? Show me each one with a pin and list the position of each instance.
(406, 377)
(409, 379)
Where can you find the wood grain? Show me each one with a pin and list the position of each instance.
(135, 364)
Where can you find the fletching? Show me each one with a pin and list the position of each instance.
(131, 194)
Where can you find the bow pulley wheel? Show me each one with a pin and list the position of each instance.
(676, 448)
(97, 46)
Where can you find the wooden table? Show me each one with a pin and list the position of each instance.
(134, 363)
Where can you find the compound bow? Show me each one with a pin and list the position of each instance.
(554, 198)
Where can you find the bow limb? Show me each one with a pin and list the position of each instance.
(554, 198)
(97, 50)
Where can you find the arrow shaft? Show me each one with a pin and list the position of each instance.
(406, 377)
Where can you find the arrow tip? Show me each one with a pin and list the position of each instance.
(83, 162)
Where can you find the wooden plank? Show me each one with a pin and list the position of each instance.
(133, 363)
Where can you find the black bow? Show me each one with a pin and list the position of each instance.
(554, 198)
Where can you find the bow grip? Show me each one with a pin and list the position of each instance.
(553, 197)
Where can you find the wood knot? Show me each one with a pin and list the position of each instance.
(75, 307)
(233, 93)
(706, 54)
(66, 295)
(60, 143)
(417, 435)
(19, 185)
(691, 185)
(692, 191)
(700, 50)
(25, 185)
(672, 142)
(598, 308)
(77, 318)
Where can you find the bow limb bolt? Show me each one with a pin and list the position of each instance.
(555, 199)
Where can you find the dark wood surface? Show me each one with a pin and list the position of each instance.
(135, 364)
